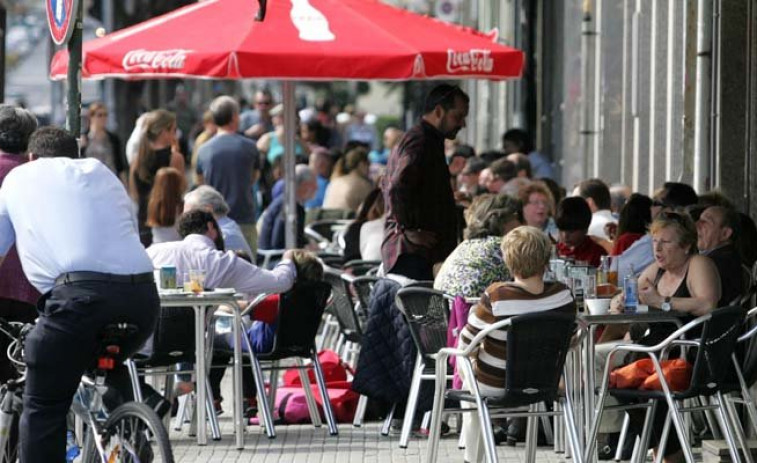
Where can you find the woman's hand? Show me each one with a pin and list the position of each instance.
(648, 295)
(617, 304)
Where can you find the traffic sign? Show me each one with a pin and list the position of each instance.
(61, 15)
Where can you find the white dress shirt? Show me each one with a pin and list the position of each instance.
(223, 269)
(68, 215)
(598, 221)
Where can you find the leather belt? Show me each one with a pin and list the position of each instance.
(73, 277)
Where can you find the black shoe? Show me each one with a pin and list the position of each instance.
(500, 435)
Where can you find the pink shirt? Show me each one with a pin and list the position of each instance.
(13, 282)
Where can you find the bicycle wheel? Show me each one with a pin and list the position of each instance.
(134, 433)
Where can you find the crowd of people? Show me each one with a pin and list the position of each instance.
(478, 223)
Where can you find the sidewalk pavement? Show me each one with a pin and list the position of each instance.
(307, 444)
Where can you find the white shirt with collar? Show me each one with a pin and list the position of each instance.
(598, 221)
(69, 215)
(223, 269)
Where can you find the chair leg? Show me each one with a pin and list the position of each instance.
(315, 416)
(435, 428)
(388, 421)
(738, 430)
(571, 430)
(640, 452)
(548, 434)
(683, 438)
(746, 396)
(727, 430)
(264, 409)
(623, 437)
(273, 385)
(663, 440)
(486, 431)
(412, 402)
(712, 422)
(362, 403)
(327, 410)
(532, 434)
(215, 429)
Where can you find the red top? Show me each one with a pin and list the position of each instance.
(624, 242)
(313, 39)
(13, 282)
(587, 251)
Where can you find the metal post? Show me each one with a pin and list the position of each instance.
(596, 124)
(73, 117)
(3, 29)
(670, 102)
(109, 85)
(703, 96)
(587, 57)
(289, 191)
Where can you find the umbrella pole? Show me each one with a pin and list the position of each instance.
(290, 125)
(73, 116)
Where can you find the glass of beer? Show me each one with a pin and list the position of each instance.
(612, 275)
(196, 281)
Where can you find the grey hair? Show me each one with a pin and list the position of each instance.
(302, 174)
(206, 196)
(489, 213)
(223, 109)
(16, 126)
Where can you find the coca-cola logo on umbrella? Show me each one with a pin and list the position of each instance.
(147, 60)
(475, 60)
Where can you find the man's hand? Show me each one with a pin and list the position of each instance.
(288, 254)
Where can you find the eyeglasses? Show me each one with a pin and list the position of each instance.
(263, 103)
(538, 203)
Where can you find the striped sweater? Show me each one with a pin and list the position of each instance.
(501, 301)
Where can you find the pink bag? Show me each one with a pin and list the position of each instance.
(458, 317)
(292, 407)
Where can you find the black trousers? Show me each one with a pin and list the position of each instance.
(63, 345)
(414, 267)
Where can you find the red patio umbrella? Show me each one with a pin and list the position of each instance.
(299, 40)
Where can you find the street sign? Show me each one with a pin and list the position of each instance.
(61, 15)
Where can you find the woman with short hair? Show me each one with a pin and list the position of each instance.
(477, 261)
(526, 251)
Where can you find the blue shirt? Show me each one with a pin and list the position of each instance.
(639, 256)
(540, 165)
(227, 162)
(69, 215)
(233, 238)
(320, 193)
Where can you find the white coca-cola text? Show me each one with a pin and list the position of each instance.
(154, 60)
(475, 60)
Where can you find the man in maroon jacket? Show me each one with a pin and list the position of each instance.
(422, 220)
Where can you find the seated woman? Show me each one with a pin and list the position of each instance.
(678, 279)
(362, 238)
(477, 261)
(526, 251)
(635, 217)
(538, 207)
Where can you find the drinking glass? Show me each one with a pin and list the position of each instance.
(196, 281)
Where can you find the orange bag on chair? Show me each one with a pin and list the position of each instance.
(677, 373)
(631, 376)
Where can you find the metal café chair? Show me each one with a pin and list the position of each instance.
(537, 345)
(745, 368)
(711, 375)
(427, 314)
(300, 313)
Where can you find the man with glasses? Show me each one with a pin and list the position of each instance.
(422, 220)
(253, 123)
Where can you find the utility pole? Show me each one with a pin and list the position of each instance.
(73, 118)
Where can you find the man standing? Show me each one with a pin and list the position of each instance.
(78, 243)
(716, 229)
(17, 296)
(229, 163)
(422, 221)
(256, 122)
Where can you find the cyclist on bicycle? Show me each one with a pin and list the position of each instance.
(76, 235)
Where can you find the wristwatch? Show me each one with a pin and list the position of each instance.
(666, 306)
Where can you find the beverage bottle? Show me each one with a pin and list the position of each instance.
(631, 292)
(603, 270)
(72, 449)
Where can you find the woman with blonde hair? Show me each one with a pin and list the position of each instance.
(158, 147)
(349, 184)
(166, 204)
